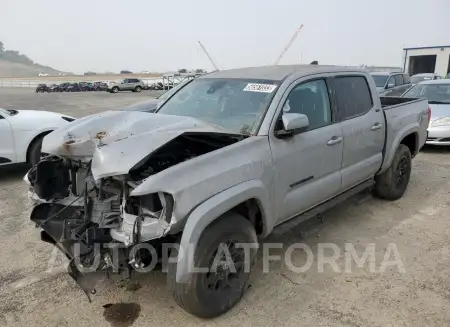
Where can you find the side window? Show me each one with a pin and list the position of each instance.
(399, 80)
(353, 96)
(406, 79)
(391, 82)
(310, 99)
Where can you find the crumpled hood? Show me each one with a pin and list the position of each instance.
(118, 140)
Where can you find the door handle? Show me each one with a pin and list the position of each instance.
(376, 126)
(334, 140)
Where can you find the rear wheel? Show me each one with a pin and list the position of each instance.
(210, 294)
(392, 184)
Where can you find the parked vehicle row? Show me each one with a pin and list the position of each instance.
(128, 84)
(71, 87)
(395, 84)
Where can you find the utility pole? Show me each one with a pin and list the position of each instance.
(207, 54)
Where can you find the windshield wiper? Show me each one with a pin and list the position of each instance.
(438, 102)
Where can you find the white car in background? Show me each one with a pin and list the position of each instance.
(22, 131)
(43, 74)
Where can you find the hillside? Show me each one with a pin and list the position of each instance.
(14, 64)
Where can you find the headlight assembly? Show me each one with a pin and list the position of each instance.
(441, 122)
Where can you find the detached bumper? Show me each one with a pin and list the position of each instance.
(86, 281)
(54, 232)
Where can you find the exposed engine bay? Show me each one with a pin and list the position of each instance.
(83, 216)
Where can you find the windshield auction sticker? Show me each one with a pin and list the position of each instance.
(265, 88)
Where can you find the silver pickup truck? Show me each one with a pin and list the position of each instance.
(225, 160)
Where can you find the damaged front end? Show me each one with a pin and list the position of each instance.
(86, 218)
(84, 203)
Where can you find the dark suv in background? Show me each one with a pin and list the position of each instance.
(42, 88)
(391, 84)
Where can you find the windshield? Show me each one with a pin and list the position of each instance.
(235, 104)
(433, 92)
(418, 79)
(169, 93)
(380, 80)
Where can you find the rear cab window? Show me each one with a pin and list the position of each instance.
(353, 96)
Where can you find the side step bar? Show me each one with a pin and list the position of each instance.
(325, 206)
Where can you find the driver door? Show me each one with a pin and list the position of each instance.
(7, 149)
(307, 165)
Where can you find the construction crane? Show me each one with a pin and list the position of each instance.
(207, 54)
(288, 45)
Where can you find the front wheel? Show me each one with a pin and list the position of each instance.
(392, 184)
(210, 294)
(115, 89)
(138, 89)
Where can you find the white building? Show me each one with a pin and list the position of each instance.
(427, 60)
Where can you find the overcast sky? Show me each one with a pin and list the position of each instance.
(110, 35)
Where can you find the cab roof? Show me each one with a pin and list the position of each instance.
(278, 72)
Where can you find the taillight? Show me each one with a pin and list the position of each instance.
(429, 113)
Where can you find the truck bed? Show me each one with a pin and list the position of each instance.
(402, 115)
(391, 102)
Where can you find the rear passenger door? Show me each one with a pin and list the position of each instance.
(363, 128)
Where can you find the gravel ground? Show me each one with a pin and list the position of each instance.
(35, 291)
(77, 104)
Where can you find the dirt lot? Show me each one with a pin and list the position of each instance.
(35, 292)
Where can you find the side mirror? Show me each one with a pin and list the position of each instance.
(292, 124)
(390, 86)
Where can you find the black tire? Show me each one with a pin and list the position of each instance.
(115, 89)
(392, 184)
(203, 295)
(138, 89)
(34, 152)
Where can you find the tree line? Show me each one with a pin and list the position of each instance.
(14, 56)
